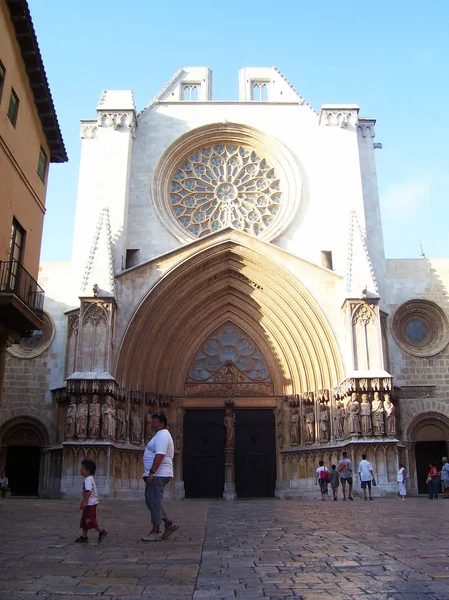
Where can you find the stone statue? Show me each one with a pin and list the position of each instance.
(324, 423)
(377, 411)
(354, 415)
(390, 415)
(339, 421)
(365, 413)
(70, 421)
(346, 427)
(136, 427)
(81, 418)
(229, 423)
(310, 424)
(121, 424)
(294, 428)
(109, 419)
(94, 418)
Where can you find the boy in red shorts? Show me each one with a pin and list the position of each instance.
(89, 503)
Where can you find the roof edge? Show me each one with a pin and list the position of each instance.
(35, 70)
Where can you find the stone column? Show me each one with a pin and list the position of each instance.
(229, 486)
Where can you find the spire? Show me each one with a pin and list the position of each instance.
(360, 277)
(98, 277)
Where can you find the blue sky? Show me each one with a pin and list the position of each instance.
(390, 58)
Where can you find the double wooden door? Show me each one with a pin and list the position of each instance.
(204, 453)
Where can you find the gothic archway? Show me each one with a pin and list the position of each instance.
(428, 433)
(23, 440)
(229, 280)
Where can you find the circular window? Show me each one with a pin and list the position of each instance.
(420, 327)
(226, 175)
(225, 186)
(36, 343)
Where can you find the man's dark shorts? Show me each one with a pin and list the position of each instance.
(366, 484)
(346, 480)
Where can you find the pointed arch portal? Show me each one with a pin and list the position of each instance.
(229, 282)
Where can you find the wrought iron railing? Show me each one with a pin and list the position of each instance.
(15, 279)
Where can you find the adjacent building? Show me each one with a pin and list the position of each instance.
(228, 268)
(30, 139)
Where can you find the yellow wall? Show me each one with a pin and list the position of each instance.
(22, 193)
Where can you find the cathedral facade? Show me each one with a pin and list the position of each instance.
(228, 268)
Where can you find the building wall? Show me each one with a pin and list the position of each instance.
(426, 279)
(22, 192)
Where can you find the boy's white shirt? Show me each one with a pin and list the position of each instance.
(89, 485)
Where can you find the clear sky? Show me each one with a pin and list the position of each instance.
(390, 58)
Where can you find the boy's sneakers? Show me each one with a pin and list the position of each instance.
(169, 529)
(153, 536)
(102, 535)
(81, 540)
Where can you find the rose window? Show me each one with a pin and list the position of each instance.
(225, 186)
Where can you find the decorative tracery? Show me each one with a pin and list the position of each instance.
(225, 185)
(229, 345)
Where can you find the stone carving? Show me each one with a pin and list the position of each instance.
(378, 415)
(365, 415)
(324, 423)
(178, 437)
(310, 424)
(229, 423)
(82, 414)
(109, 424)
(294, 429)
(121, 425)
(339, 421)
(354, 415)
(94, 418)
(249, 199)
(390, 416)
(417, 391)
(346, 419)
(363, 315)
(70, 421)
(136, 427)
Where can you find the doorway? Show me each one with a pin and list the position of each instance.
(204, 445)
(255, 453)
(428, 452)
(22, 469)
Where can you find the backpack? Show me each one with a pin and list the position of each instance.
(324, 475)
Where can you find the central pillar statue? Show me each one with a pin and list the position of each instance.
(229, 486)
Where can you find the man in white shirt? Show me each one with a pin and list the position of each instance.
(366, 476)
(158, 471)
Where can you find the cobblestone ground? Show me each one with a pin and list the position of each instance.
(381, 550)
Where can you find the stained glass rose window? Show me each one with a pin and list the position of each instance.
(225, 185)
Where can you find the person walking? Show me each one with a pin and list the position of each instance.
(335, 482)
(433, 481)
(445, 477)
(402, 478)
(346, 476)
(323, 479)
(158, 471)
(366, 476)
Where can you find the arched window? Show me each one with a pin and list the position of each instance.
(190, 92)
(259, 91)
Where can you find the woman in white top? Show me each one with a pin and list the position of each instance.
(402, 477)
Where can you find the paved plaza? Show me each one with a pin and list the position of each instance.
(381, 550)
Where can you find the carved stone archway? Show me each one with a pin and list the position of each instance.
(229, 281)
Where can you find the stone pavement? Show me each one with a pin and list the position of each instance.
(381, 550)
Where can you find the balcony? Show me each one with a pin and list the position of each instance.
(21, 298)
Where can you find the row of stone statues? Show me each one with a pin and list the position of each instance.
(355, 418)
(92, 421)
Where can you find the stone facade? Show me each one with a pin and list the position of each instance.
(205, 278)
